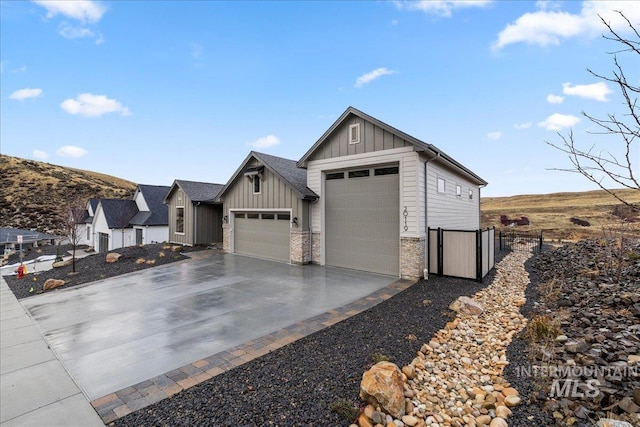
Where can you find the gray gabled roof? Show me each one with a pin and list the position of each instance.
(10, 235)
(205, 192)
(158, 213)
(285, 169)
(418, 145)
(118, 212)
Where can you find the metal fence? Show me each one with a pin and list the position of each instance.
(512, 241)
(468, 254)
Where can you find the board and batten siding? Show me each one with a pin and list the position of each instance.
(447, 210)
(409, 165)
(208, 220)
(274, 194)
(372, 138)
(179, 198)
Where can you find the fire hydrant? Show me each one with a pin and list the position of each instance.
(21, 271)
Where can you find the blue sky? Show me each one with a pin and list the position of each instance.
(156, 91)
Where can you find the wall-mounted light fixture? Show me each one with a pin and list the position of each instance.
(294, 221)
(225, 218)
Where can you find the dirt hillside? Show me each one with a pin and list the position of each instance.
(33, 194)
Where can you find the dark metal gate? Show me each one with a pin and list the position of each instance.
(512, 241)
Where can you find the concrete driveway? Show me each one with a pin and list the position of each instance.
(121, 331)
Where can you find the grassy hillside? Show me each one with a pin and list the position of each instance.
(550, 213)
(34, 194)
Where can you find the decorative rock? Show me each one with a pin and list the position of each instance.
(410, 420)
(408, 371)
(634, 358)
(636, 395)
(483, 420)
(498, 422)
(63, 263)
(113, 257)
(503, 412)
(512, 401)
(606, 422)
(52, 284)
(628, 406)
(378, 418)
(369, 410)
(382, 386)
(363, 421)
(140, 261)
(562, 338)
(466, 305)
(510, 391)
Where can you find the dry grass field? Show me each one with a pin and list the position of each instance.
(551, 213)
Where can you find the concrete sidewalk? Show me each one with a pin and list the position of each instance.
(35, 388)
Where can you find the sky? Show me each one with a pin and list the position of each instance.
(153, 91)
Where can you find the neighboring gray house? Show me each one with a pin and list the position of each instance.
(379, 190)
(266, 208)
(195, 217)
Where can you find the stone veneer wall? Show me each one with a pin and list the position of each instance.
(300, 247)
(315, 248)
(226, 238)
(412, 257)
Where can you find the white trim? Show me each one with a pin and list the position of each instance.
(444, 185)
(253, 184)
(362, 159)
(184, 212)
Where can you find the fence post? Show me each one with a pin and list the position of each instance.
(540, 248)
(479, 255)
(500, 236)
(440, 252)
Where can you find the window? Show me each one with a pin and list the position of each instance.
(470, 194)
(268, 216)
(458, 191)
(441, 185)
(180, 219)
(336, 175)
(256, 184)
(283, 216)
(240, 215)
(253, 216)
(88, 232)
(354, 133)
(359, 174)
(386, 171)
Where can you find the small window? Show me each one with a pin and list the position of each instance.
(256, 184)
(441, 185)
(470, 194)
(252, 216)
(89, 232)
(336, 175)
(268, 216)
(240, 215)
(359, 174)
(284, 216)
(354, 133)
(180, 219)
(386, 171)
(458, 191)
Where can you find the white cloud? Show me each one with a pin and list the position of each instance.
(559, 121)
(196, 50)
(266, 142)
(69, 32)
(597, 91)
(39, 154)
(440, 7)
(71, 151)
(494, 135)
(555, 99)
(519, 126)
(90, 105)
(27, 93)
(372, 75)
(548, 27)
(80, 10)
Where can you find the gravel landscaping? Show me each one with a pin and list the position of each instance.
(92, 267)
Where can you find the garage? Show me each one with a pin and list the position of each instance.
(362, 219)
(263, 235)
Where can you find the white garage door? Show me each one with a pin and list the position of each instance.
(362, 219)
(263, 235)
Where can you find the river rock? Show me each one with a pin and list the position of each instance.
(466, 305)
(382, 386)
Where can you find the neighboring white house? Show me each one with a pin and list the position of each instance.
(116, 223)
(85, 229)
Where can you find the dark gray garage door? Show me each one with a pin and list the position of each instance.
(362, 219)
(263, 234)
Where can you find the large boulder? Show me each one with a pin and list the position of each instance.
(52, 284)
(382, 386)
(113, 257)
(63, 263)
(466, 305)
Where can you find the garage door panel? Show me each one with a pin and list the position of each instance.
(362, 223)
(264, 238)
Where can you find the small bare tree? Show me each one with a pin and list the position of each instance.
(598, 166)
(74, 220)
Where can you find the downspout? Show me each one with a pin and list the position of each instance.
(426, 215)
(309, 250)
(195, 225)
